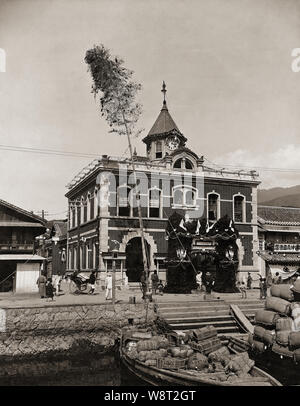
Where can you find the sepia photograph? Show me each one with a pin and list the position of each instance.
(149, 196)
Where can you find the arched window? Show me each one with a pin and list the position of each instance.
(154, 203)
(72, 216)
(184, 196)
(213, 206)
(85, 210)
(88, 203)
(183, 163)
(78, 213)
(239, 208)
(124, 208)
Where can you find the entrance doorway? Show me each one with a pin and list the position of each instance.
(134, 258)
(7, 275)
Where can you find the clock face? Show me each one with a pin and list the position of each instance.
(172, 142)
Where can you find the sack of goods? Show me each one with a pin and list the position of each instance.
(154, 343)
(178, 352)
(197, 361)
(205, 332)
(240, 364)
(297, 355)
(282, 291)
(294, 340)
(220, 355)
(258, 346)
(278, 305)
(264, 335)
(284, 323)
(171, 363)
(296, 287)
(282, 337)
(296, 316)
(266, 317)
(282, 350)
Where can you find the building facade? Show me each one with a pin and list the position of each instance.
(279, 240)
(19, 265)
(173, 178)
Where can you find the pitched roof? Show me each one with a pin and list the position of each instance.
(22, 211)
(164, 122)
(279, 215)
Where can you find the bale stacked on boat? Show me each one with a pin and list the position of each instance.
(278, 305)
(284, 323)
(295, 309)
(197, 361)
(264, 335)
(240, 364)
(266, 318)
(206, 340)
(282, 291)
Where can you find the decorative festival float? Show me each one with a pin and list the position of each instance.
(197, 245)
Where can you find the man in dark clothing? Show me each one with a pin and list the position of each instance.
(92, 282)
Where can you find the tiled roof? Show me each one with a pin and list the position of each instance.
(279, 215)
(22, 211)
(280, 258)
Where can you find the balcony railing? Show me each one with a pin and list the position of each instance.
(287, 247)
(15, 247)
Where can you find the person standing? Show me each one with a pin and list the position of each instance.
(243, 290)
(249, 281)
(154, 280)
(41, 282)
(108, 284)
(50, 289)
(269, 282)
(92, 281)
(199, 280)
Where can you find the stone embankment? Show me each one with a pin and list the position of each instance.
(70, 329)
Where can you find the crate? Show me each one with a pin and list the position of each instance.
(207, 346)
(171, 363)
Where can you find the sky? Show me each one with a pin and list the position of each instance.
(226, 64)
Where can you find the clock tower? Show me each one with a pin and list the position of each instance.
(164, 137)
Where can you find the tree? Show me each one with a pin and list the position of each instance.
(118, 106)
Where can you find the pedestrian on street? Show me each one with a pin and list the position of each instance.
(50, 289)
(154, 280)
(249, 281)
(243, 290)
(269, 282)
(41, 282)
(92, 281)
(160, 288)
(108, 285)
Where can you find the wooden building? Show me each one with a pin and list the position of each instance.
(100, 212)
(19, 265)
(279, 240)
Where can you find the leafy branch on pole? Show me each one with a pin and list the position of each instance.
(118, 106)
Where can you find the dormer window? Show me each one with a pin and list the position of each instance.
(158, 149)
(183, 163)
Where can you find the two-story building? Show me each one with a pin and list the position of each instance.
(19, 265)
(279, 240)
(173, 177)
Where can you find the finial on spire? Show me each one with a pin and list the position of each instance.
(164, 90)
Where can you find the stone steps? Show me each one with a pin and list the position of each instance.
(187, 315)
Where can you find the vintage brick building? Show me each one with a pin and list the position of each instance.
(93, 229)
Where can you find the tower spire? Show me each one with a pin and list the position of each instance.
(164, 91)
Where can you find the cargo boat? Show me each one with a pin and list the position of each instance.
(159, 377)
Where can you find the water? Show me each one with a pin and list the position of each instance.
(102, 370)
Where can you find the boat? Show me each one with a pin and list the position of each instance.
(155, 376)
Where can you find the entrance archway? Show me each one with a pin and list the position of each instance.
(134, 258)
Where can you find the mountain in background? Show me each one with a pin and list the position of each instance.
(280, 196)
